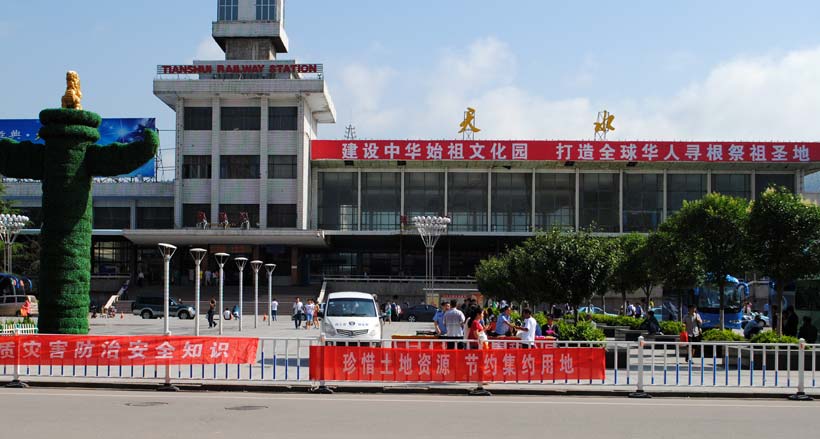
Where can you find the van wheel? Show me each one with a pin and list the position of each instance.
(183, 315)
(411, 318)
(146, 314)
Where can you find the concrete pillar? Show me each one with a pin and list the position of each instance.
(179, 159)
(263, 164)
(216, 129)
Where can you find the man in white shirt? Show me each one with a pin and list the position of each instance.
(454, 322)
(298, 312)
(274, 308)
(527, 332)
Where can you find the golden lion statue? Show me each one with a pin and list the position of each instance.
(73, 95)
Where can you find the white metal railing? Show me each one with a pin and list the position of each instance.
(18, 329)
(640, 365)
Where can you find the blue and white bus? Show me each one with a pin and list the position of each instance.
(676, 303)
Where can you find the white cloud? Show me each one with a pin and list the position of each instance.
(747, 98)
(208, 50)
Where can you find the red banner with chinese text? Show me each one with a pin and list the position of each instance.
(340, 363)
(566, 150)
(139, 350)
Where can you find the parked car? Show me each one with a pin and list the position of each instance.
(594, 310)
(10, 305)
(418, 313)
(352, 316)
(150, 307)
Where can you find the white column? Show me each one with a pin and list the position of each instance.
(665, 194)
(577, 199)
(401, 185)
(752, 184)
(708, 181)
(621, 201)
(359, 200)
(446, 194)
(263, 165)
(532, 202)
(178, 157)
(489, 199)
(215, 152)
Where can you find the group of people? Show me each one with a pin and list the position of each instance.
(307, 312)
(233, 313)
(474, 325)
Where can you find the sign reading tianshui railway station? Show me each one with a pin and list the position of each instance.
(566, 150)
(220, 68)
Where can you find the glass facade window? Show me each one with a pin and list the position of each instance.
(266, 10)
(599, 195)
(239, 166)
(190, 213)
(467, 201)
(643, 202)
(683, 187)
(283, 118)
(764, 181)
(282, 215)
(34, 214)
(381, 200)
(112, 217)
(338, 200)
(512, 202)
(733, 185)
(196, 166)
(423, 194)
(240, 118)
(155, 217)
(282, 166)
(380, 264)
(197, 118)
(228, 10)
(111, 257)
(555, 201)
(234, 212)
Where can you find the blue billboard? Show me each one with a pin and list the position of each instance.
(111, 130)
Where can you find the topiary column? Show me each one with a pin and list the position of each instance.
(66, 164)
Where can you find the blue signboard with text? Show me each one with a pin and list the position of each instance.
(111, 130)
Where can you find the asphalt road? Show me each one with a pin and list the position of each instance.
(71, 413)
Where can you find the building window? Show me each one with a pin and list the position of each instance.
(423, 194)
(282, 216)
(599, 202)
(155, 217)
(643, 202)
(239, 166)
(512, 202)
(338, 194)
(112, 217)
(764, 181)
(228, 10)
(197, 118)
(683, 187)
(281, 166)
(240, 118)
(234, 212)
(266, 10)
(733, 185)
(191, 213)
(467, 201)
(111, 257)
(555, 201)
(196, 166)
(283, 118)
(381, 200)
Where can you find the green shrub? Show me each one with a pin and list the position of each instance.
(541, 318)
(724, 335)
(583, 331)
(772, 337)
(672, 327)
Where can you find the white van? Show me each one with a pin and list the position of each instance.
(351, 316)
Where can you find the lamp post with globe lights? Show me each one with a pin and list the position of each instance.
(167, 251)
(197, 254)
(10, 226)
(269, 268)
(430, 229)
(256, 265)
(221, 259)
(240, 264)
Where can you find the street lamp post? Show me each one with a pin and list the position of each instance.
(256, 265)
(10, 226)
(167, 251)
(430, 229)
(198, 254)
(269, 268)
(221, 259)
(240, 264)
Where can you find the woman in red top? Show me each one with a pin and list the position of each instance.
(476, 331)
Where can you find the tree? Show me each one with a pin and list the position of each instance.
(784, 234)
(493, 277)
(626, 262)
(677, 268)
(714, 229)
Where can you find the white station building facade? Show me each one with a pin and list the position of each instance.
(247, 153)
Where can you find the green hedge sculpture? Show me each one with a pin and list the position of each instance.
(66, 164)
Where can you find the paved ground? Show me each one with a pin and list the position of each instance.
(132, 414)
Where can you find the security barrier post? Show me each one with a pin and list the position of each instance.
(639, 392)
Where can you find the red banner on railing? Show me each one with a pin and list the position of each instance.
(137, 350)
(337, 363)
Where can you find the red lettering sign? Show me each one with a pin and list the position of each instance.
(566, 150)
(125, 350)
(337, 363)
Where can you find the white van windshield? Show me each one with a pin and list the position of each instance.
(350, 307)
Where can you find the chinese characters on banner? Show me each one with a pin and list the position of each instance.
(566, 150)
(337, 363)
(143, 350)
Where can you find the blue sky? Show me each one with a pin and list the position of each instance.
(533, 69)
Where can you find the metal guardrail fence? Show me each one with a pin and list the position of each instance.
(18, 329)
(630, 365)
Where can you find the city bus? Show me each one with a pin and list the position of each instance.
(804, 295)
(706, 297)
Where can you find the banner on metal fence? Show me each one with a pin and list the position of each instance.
(339, 363)
(139, 350)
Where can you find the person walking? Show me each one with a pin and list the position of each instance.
(316, 310)
(211, 312)
(808, 331)
(298, 311)
(790, 322)
(454, 321)
(309, 309)
(274, 309)
(694, 329)
(438, 318)
(388, 311)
